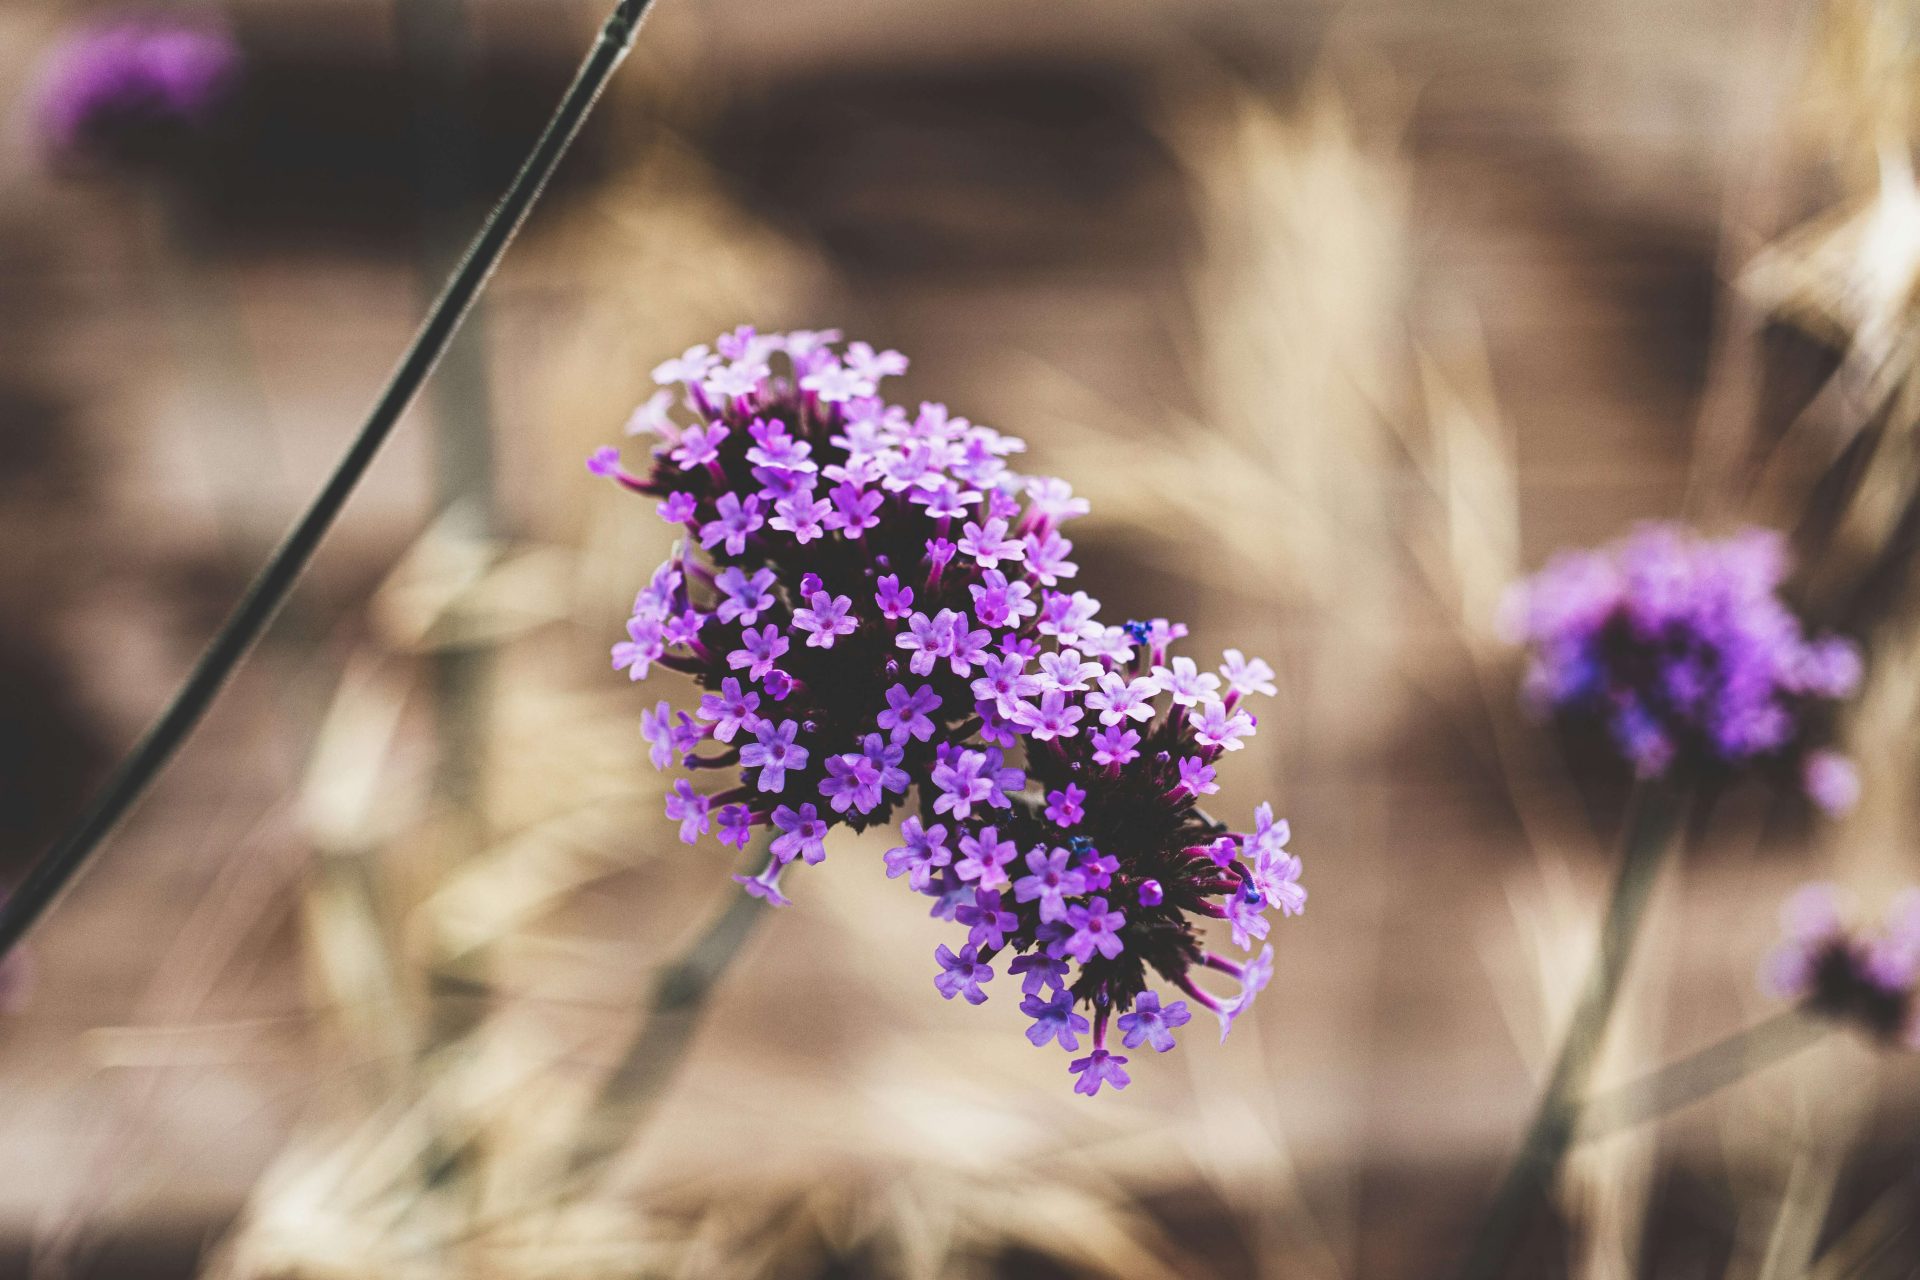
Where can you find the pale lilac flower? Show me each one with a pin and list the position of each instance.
(1094, 929)
(907, 714)
(987, 925)
(758, 651)
(962, 974)
(825, 619)
(736, 522)
(1066, 807)
(774, 752)
(986, 858)
(1096, 1069)
(1051, 882)
(1119, 698)
(1151, 1024)
(1054, 717)
(1114, 746)
(1246, 675)
(689, 809)
(802, 834)
(1054, 1019)
(731, 710)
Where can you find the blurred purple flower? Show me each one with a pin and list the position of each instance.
(1680, 651)
(135, 90)
(1868, 978)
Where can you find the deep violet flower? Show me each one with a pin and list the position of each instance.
(880, 614)
(1679, 650)
(135, 90)
(1867, 977)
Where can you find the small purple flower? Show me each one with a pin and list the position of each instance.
(988, 544)
(642, 648)
(826, 619)
(689, 809)
(1039, 971)
(1246, 675)
(854, 510)
(986, 858)
(1150, 1024)
(1114, 746)
(744, 599)
(802, 834)
(1119, 699)
(924, 852)
(962, 783)
(679, 508)
(1869, 978)
(1096, 1069)
(1254, 977)
(1054, 717)
(736, 825)
(657, 728)
(699, 446)
(1004, 682)
(1051, 882)
(1094, 929)
(758, 651)
(735, 522)
(732, 709)
(1197, 776)
(998, 602)
(895, 601)
(766, 885)
(1067, 807)
(1246, 913)
(1054, 1019)
(774, 753)
(987, 925)
(907, 714)
(961, 975)
(1215, 726)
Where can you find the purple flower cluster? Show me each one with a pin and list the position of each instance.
(134, 90)
(883, 618)
(1679, 649)
(1867, 978)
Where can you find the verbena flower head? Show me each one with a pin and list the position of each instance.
(881, 616)
(135, 90)
(1866, 977)
(1679, 650)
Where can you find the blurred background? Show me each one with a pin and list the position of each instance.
(1342, 315)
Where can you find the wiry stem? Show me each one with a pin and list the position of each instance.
(275, 581)
(1657, 813)
(1702, 1073)
(664, 1035)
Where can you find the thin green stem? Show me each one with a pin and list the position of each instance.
(270, 588)
(1702, 1073)
(647, 1065)
(1657, 815)
(664, 1035)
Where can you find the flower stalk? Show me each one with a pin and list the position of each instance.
(1657, 814)
(275, 581)
(1702, 1073)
